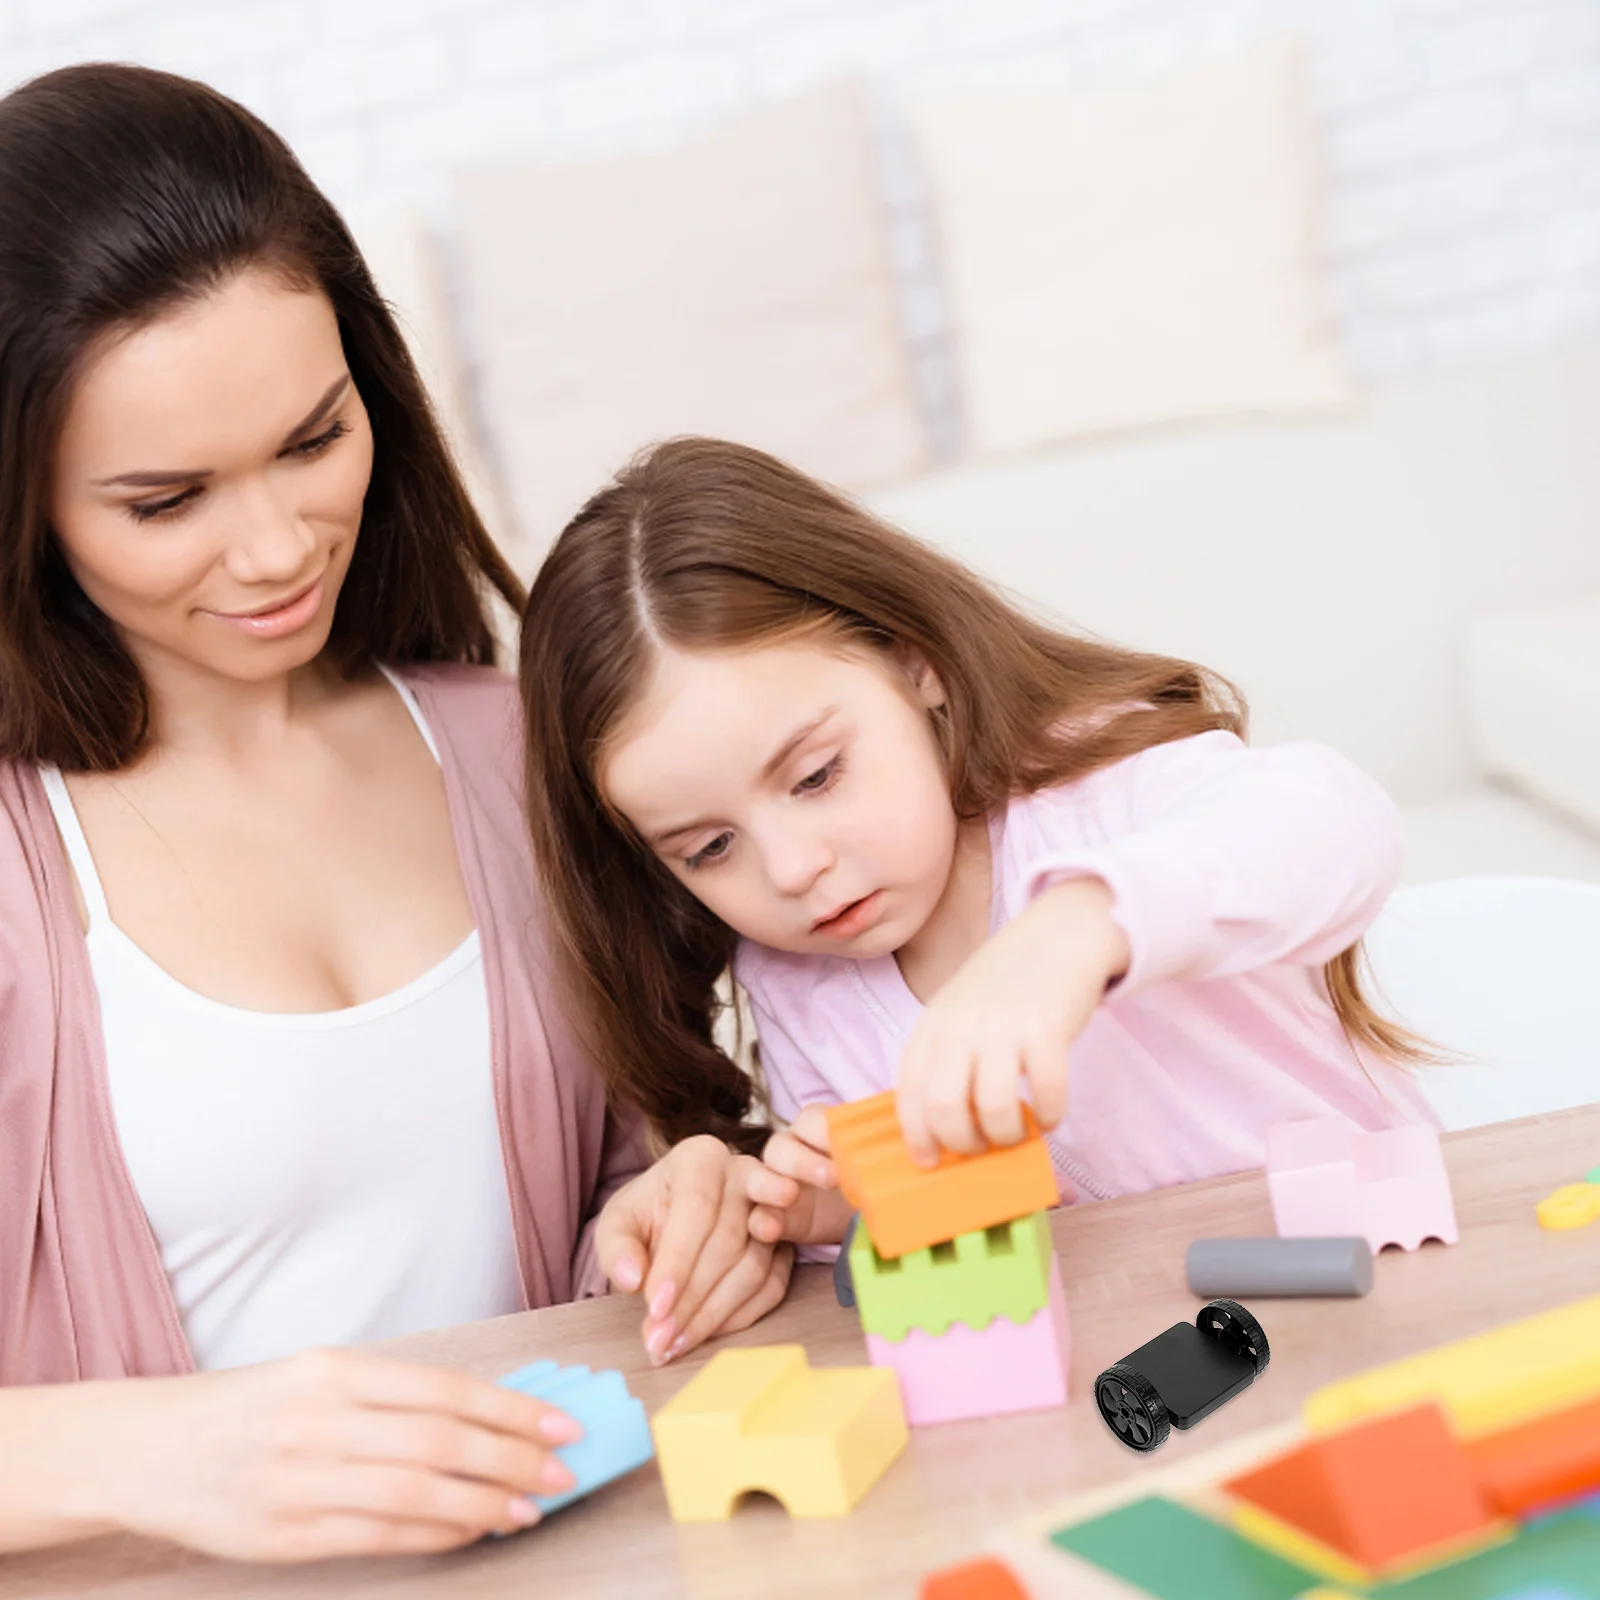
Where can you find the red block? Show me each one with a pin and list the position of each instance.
(987, 1579)
(1551, 1458)
(1378, 1493)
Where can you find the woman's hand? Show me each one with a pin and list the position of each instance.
(1010, 1015)
(680, 1235)
(326, 1453)
(819, 1213)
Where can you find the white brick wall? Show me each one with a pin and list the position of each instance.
(1461, 138)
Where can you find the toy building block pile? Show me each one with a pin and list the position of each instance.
(952, 1269)
(1472, 1470)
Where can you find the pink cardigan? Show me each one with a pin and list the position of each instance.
(82, 1290)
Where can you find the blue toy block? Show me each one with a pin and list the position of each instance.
(616, 1433)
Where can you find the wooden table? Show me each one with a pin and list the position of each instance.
(1122, 1262)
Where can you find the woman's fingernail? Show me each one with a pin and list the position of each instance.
(556, 1476)
(822, 1176)
(559, 1428)
(660, 1337)
(627, 1277)
(661, 1300)
(524, 1512)
(677, 1347)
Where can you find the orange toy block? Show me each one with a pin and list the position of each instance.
(1552, 1458)
(988, 1579)
(1384, 1494)
(907, 1207)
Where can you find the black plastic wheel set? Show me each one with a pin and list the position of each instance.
(1182, 1375)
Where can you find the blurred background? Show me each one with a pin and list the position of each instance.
(1261, 331)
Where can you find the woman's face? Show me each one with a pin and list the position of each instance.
(209, 481)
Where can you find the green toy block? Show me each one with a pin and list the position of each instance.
(1174, 1553)
(1003, 1271)
(1562, 1550)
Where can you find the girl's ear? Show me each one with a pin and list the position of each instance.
(924, 680)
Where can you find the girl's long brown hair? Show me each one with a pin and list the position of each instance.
(704, 545)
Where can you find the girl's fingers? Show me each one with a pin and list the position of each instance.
(768, 1185)
(766, 1225)
(950, 1118)
(911, 1104)
(798, 1160)
(994, 1094)
(811, 1127)
(1045, 1063)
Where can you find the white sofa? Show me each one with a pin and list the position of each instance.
(1346, 570)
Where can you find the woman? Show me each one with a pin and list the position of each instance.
(282, 1064)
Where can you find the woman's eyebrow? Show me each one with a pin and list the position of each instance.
(166, 478)
(334, 394)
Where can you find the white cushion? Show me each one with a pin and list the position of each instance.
(736, 285)
(1131, 254)
(1501, 972)
(1533, 694)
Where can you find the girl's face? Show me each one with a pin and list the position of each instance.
(798, 791)
(209, 481)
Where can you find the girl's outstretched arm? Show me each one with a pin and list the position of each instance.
(1213, 859)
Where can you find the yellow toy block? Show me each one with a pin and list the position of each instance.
(1485, 1383)
(1575, 1205)
(762, 1419)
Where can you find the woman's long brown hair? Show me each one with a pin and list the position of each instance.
(704, 545)
(124, 193)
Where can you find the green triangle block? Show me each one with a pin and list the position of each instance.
(1173, 1553)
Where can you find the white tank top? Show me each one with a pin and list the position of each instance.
(311, 1178)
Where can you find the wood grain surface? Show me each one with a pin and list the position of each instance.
(960, 1485)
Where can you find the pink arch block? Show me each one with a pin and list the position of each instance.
(1330, 1180)
(982, 1372)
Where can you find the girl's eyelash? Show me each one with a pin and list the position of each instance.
(306, 450)
(703, 857)
(829, 772)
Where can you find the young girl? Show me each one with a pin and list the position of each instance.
(944, 848)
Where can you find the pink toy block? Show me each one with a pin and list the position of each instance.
(1329, 1180)
(1007, 1366)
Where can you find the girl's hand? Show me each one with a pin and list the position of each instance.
(679, 1234)
(1010, 1014)
(819, 1213)
(327, 1453)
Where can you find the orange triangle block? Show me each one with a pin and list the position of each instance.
(1381, 1493)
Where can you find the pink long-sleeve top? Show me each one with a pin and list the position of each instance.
(1235, 873)
(83, 1293)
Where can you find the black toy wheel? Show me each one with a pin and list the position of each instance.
(1132, 1408)
(1228, 1321)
